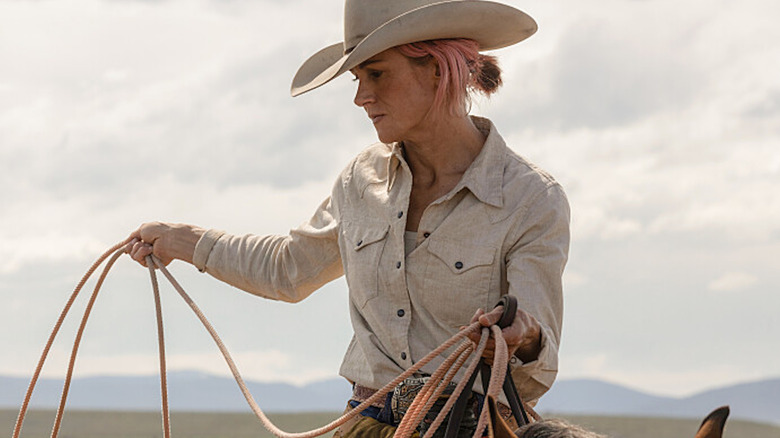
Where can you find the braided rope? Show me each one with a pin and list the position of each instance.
(430, 392)
(459, 388)
(425, 400)
(53, 335)
(497, 376)
(166, 417)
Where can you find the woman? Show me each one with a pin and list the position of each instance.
(437, 220)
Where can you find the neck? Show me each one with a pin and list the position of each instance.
(446, 150)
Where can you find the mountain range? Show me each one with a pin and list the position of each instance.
(195, 391)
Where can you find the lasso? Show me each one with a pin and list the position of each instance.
(421, 404)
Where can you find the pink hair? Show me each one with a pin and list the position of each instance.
(461, 69)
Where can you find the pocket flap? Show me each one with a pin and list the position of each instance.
(461, 257)
(362, 234)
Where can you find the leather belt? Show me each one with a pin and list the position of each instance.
(362, 393)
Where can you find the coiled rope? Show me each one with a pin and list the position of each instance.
(421, 404)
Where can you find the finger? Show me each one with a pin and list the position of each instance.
(473, 335)
(151, 231)
(135, 256)
(142, 262)
(136, 247)
(476, 316)
(476, 334)
(129, 246)
(491, 318)
(516, 333)
(139, 252)
(133, 249)
(524, 336)
(144, 251)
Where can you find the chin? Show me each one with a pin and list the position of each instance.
(386, 138)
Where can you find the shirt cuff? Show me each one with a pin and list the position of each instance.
(203, 248)
(546, 360)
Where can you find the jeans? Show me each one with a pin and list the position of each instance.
(386, 414)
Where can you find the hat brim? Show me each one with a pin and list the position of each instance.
(492, 25)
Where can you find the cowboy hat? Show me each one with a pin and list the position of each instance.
(373, 26)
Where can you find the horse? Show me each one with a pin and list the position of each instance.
(711, 427)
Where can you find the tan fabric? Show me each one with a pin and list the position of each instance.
(344, 429)
(497, 427)
(367, 427)
(372, 26)
(503, 229)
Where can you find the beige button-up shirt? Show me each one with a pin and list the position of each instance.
(503, 229)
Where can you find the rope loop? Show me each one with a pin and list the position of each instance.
(420, 406)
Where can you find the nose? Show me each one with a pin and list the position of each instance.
(364, 94)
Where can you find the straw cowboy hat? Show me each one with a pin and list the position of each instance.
(373, 26)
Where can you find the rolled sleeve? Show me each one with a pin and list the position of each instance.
(203, 248)
(279, 267)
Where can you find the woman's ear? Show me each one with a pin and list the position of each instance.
(436, 75)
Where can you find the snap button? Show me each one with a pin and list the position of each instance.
(458, 265)
(360, 243)
(401, 313)
(398, 265)
(400, 214)
(426, 234)
(403, 356)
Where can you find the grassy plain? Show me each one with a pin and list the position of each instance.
(96, 424)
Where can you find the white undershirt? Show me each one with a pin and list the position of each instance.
(410, 241)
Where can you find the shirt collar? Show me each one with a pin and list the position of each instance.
(394, 163)
(484, 177)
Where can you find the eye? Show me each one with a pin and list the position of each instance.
(375, 74)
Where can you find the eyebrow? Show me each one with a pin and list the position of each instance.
(368, 62)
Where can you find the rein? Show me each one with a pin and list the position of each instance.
(419, 407)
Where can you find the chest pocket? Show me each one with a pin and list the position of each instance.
(362, 247)
(457, 279)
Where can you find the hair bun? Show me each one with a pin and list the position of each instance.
(486, 75)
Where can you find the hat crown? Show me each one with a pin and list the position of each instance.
(372, 26)
(361, 17)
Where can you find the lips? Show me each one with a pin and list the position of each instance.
(374, 115)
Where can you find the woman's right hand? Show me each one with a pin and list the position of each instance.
(164, 240)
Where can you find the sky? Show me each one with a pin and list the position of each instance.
(660, 118)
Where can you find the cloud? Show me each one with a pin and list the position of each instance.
(732, 282)
(659, 118)
(196, 96)
(18, 251)
(606, 72)
(263, 366)
(767, 108)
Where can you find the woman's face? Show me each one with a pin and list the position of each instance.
(397, 94)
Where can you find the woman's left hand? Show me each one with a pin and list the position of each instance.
(523, 338)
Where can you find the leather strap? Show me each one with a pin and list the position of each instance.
(509, 303)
